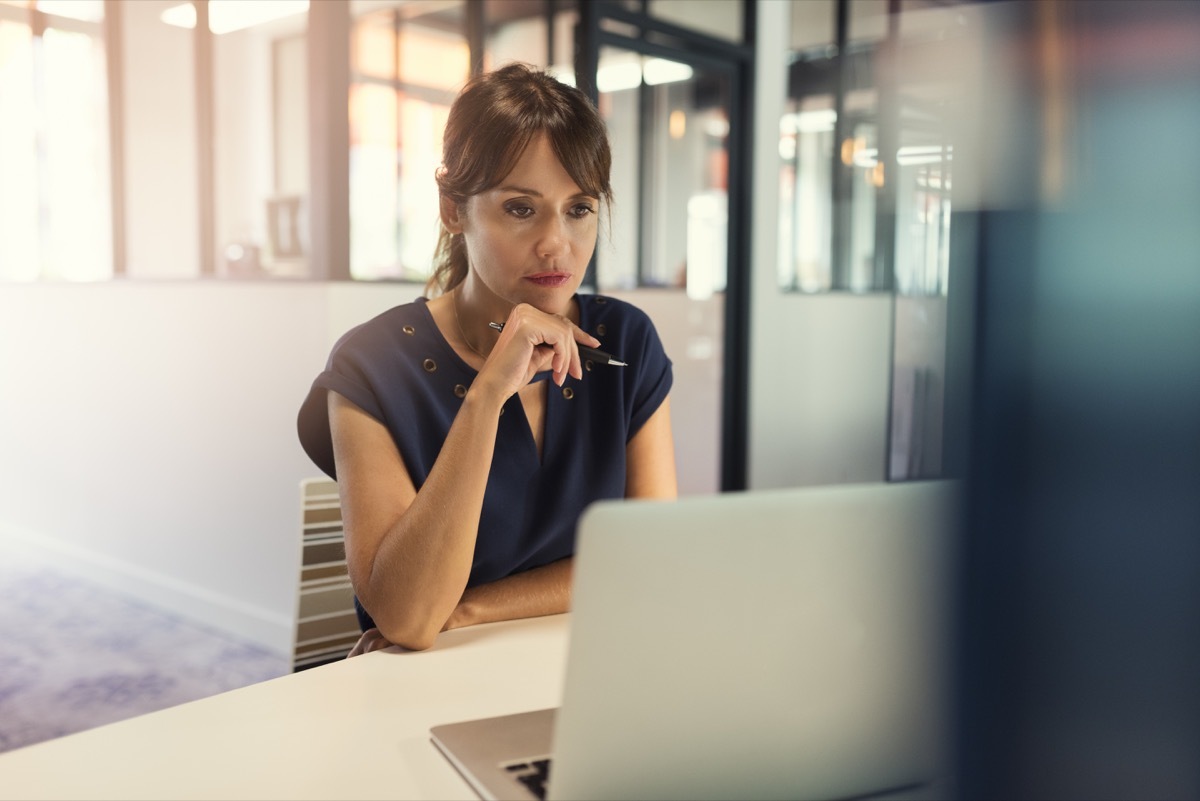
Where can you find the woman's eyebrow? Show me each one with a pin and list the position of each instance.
(524, 190)
(520, 189)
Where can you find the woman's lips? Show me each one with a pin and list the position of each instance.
(549, 279)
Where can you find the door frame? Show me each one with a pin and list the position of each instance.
(735, 61)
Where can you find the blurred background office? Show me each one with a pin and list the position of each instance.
(885, 240)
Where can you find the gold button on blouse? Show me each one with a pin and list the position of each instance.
(430, 365)
(408, 329)
(587, 365)
(601, 330)
(460, 391)
(568, 393)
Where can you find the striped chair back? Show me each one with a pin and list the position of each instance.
(326, 626)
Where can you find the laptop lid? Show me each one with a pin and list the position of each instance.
(770, 644)
(777, 644)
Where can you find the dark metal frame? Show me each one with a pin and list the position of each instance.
(735, 62)
(114, 32)
(205, 140)
(329, 140)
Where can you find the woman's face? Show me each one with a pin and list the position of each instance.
(530, 238)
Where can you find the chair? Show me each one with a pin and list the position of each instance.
(326, 626)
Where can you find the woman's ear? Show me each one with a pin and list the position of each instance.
(451, 217)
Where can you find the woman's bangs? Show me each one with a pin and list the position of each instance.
(584, 164)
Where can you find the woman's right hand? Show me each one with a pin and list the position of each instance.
(533, 341)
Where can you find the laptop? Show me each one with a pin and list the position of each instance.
(764, 644)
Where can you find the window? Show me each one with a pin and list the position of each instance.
(406, 69)
(55, 198)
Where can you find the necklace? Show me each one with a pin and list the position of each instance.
(461, 332)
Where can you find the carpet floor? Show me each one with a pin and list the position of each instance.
(74, 655)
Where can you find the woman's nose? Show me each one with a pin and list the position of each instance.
(553, 241)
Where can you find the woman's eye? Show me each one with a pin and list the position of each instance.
(582, 210)
(520, 212)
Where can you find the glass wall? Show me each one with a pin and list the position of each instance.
(669, 125)
(864, 167)
(866, 188)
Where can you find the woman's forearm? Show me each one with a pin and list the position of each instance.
(535, 593)
(541, 591)
(410, 564)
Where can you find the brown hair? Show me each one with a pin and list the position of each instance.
(491, 122)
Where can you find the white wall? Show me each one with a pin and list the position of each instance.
(819, 390)
(149, 438)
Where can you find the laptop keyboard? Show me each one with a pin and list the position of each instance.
(533, 773)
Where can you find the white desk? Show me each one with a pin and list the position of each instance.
(353, 729)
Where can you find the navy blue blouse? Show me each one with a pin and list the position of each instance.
(400, 370)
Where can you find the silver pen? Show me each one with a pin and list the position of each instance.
(597, 356)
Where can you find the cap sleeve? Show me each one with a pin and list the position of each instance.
(345, 373)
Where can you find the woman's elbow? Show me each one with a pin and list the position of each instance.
(413, 635)
(413, 621)
(422, 643)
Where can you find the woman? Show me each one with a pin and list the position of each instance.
(464, 455)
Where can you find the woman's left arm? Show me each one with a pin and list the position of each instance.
(546, 590)
(650, 458)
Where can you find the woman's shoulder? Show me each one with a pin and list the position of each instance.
(625, 330)
(596, 309)
(391, 329)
